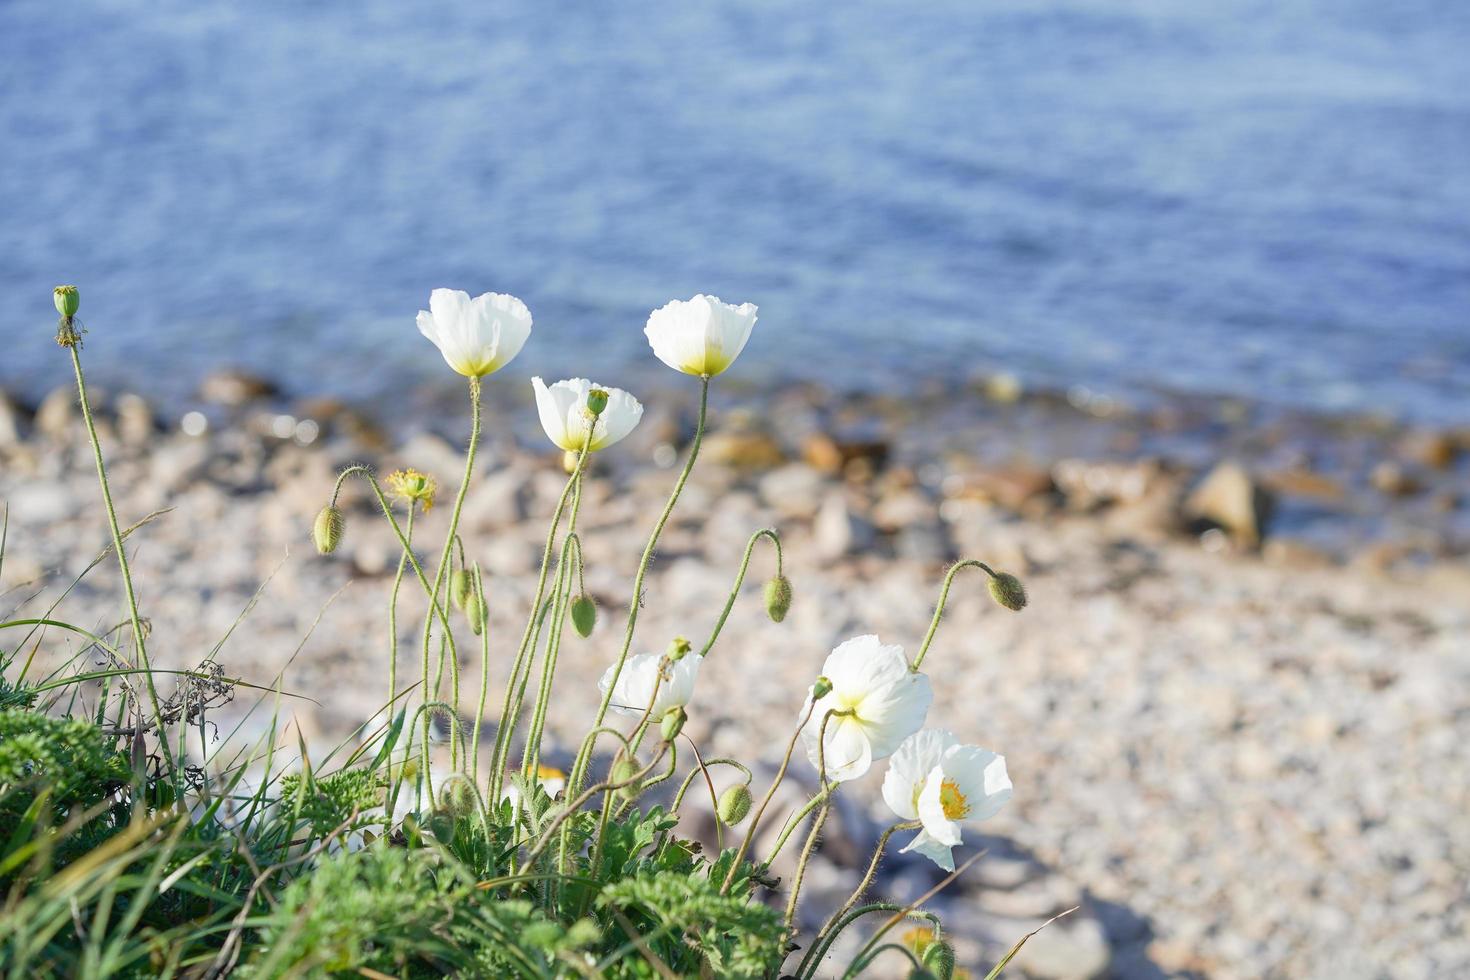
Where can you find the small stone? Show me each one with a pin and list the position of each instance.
(854, 457)
(58, 415)
(12, 423)
(743, 450)
(1010, 487)
(1394, 480)
(234, 388)
(838, 531)
(1069, 949)
(136, 424)
(1435, 450)
(1230, 498)
(793, 490)
(1295, 555)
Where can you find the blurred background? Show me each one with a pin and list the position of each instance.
(1266, 199)
(1164, 306)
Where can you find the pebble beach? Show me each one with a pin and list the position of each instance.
(1236, 737)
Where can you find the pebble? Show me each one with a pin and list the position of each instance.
(1229, 497)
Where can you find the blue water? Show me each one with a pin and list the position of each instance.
(1265, 197)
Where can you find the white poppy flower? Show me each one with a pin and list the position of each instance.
(635, 686)
(476, 336)
(701, 336)
(934, 779)
(887, 703)
(564, 414)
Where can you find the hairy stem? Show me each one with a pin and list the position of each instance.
(765, 532)
(755, 821)
(939, 606)
(857, 893)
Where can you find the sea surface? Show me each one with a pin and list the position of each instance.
(1259, 198)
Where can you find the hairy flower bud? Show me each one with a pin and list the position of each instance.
(734, 804)
(672, 724)
(457, 798)
(461, 587)
(584, 615)
(938, 959)
(327, 531)
(821, 688)
(67, 300)
(778, 598)
(474, 612)
(678, 648)
(624, 771)
(1007, 590)
(596, 401)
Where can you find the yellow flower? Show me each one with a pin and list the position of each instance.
(412, 486)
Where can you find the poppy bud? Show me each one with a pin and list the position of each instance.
(461, 587)
(734, 804)
(327, 531)
(474, 611)
(672, 724)
(778, 598)
(1007, 590)
(584, 615)
(939, 959)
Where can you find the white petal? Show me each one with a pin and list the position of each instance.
(847, 754)
(894, 712)
(910, 767)
(622, 414)
(863, 664)
(981, 777)
(931, 810)
(932, 849)
(548, 409)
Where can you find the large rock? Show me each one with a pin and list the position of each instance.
(1230, 498)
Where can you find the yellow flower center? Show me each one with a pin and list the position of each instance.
(952, 801)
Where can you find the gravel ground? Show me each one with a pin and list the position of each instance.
(1236, 767)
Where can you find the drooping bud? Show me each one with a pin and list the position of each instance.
(461, 586)
(457, 798)
(327, 531)
(672, 724)
(584, 615)
(678, 648)
(596, 402)
(624, 771)
(67, 300)
(734, 804)
(1007, 590)
(474, 613)
(778, 598)
(821, 688)
(939, 959)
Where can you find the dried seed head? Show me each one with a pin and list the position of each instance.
(327, 531)
(778, 598)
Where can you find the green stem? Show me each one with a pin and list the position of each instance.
(444, 560)
(122, 561)
(819, 946)
(765, 532)
(570, 545)
(579, 769)
(811, 838)
(393, 617)
(939, 606)
(511, 711)
(857, 894)
(755, 821)
(792, 823)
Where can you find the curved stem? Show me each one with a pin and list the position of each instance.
(479, 586)
(792, 823)
(820, 945)
(393, 616)
(765, 532)
(939, 606)
(755, 821)
(811, 838)
(857, 893)
(139, 640)
(579, 768)
(696, 771)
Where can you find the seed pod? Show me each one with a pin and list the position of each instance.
(672, 724)
(1007, 590)
(679, 647)
(596, 401)
(734, 804)
(778, 598)
(821, 688)
(67, 299)
(461, 585)
(938, 959)
(327, 531)
(584, 615)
